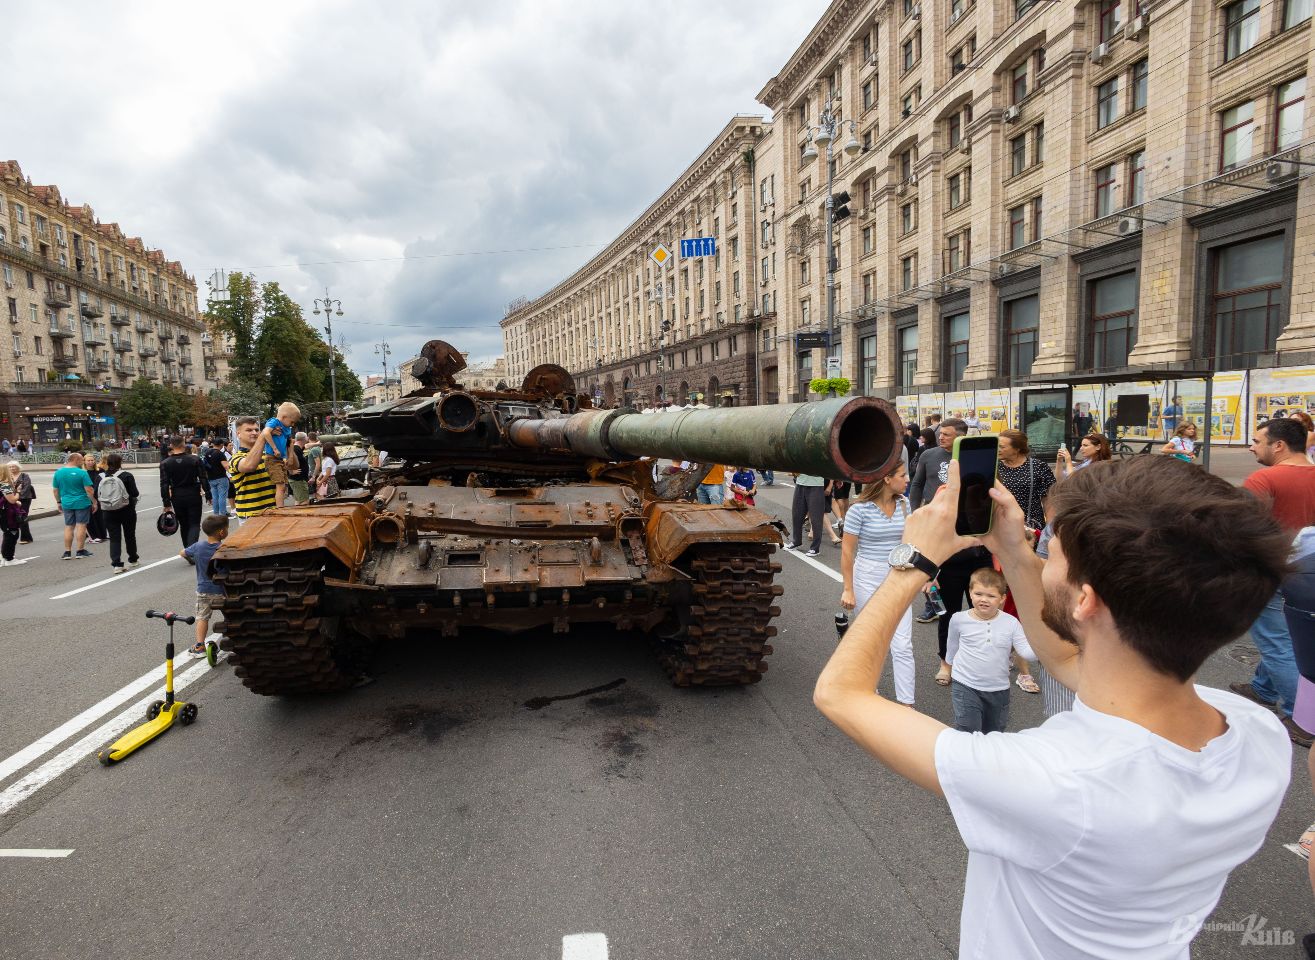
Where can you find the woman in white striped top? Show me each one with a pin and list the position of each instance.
(874, 525)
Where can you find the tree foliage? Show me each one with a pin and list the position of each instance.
(150, 406)
(276, 353)
(239, 398)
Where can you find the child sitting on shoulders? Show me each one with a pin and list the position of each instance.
(275, 457)
(979, 646)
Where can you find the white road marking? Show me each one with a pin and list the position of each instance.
(65, 730)
(584, 946)
(834, 575)
(34, 853)
(102, 736)
(119, 578)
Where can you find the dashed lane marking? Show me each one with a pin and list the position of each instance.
(115, 579)
(833, 574)
(33, 853)
(584, 946)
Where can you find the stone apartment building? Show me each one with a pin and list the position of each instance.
(90, 310)
(1037, 190)
(633, 331)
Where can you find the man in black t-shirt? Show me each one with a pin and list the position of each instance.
(215, 460)
(298, 469)
(182, 487)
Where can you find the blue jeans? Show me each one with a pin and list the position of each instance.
(1276, 674)
(769, 478)
(219, 497)
(979, 711)
(711, 493)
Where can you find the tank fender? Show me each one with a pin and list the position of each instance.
(340, 528)
(675, 527)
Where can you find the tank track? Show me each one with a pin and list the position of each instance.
(275, 636)
(724, 640)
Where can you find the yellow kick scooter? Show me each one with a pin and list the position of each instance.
(160, 715)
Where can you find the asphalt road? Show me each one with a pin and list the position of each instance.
(445, 811)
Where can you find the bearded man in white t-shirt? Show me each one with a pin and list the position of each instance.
(1109, 830)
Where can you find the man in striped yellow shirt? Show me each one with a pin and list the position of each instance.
(253, 490)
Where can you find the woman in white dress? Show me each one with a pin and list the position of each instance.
(874, 525)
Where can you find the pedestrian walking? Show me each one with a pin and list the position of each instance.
(96, 532)
(253, 490)
(1026, 477)
(22, 485)
(73, 496)
(215, 461)
(298, 470)
(982, 641)
(1172, 414)
(11, 520)
(839, 491)
(1119, 821)
(1287, 486)
(1183, 443)
(875, 526)
(118, 495)
(1093, 448)
(809, 502)
(326, 485)
(183, 488)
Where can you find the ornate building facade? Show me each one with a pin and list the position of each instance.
(90, 310)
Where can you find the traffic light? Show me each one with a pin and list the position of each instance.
(839, 206)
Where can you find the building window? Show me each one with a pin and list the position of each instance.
(803, 271)
(805, 317)
(867, 364)
(1295, 12)
(906, 161)
(867, 239)
(1236, 134)
(1036, 219)
(954, 129)
(1249, 296)
(907, 343)
(1107, 190)
(908, 269)
(869, 287)
(958, 250)
(1291, 114)
(1241, 27)
(956, 349)
(1018, 155)
(908, 218)
(960, 188)
(1107, 103)
(957, 64)
(911, 51)
(1017, 226)
(1039, 143)
(1113, 320)
(1022, 6)
(1109, 19)
(1137, 178)
(1019, 82)
(766, 232)
(1141, 72)
(1022, 323)
(867, 95)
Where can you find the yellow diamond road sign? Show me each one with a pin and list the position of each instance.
(660, 255)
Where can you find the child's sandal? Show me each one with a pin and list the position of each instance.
(1027, 684)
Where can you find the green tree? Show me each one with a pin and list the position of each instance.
(238, 315)
(239, 398)
(147, 406)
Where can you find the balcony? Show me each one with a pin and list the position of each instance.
(93, 336)
(148, 351)
(90, 309)
(62, 331)
(58, 296)
(166, 333)
(121, 344)
(186, 380)
(184, 339)
(152, 372)
(97, 366)
(145, 326)
(167, 355)
(120, 319)
(185, 359)
(124, 366)
(64, 362)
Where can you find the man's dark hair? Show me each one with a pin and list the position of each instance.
(243, 421)
(113, 462)
(1291, 432)
(177, 443)
(213, 524)
(1156, 537)
(960, 427)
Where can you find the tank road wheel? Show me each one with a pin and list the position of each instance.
(274, 632)
(728, 624)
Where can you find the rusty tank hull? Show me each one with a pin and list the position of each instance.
(519, 510)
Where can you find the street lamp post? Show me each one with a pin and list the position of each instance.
(381, 349)
(829, 125)
(329, 306)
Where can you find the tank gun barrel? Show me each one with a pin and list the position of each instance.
(854, 438)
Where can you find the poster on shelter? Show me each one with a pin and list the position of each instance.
(993, 410)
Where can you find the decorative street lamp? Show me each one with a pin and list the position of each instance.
(329, 307)
(382, 349)
(829, 126)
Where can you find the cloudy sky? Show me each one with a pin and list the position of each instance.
(427, 161)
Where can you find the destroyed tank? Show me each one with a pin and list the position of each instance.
(511, 510)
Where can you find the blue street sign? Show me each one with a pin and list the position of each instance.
(698, 247)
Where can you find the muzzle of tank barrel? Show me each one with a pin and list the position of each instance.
(855, 438)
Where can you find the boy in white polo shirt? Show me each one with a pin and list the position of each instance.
(978, 647)
(1110, 830)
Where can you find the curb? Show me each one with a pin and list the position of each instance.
(42, 514)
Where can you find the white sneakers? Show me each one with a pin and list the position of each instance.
(14, 563)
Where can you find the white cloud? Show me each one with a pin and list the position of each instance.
(319, 143)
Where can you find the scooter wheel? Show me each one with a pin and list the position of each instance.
(212, 653)
(104, 757)
(154, 709)
(187, 715)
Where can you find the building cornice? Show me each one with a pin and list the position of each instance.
(837, 20)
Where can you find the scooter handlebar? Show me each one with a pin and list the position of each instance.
(170, 617)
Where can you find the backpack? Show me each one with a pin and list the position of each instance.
(111, 493)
